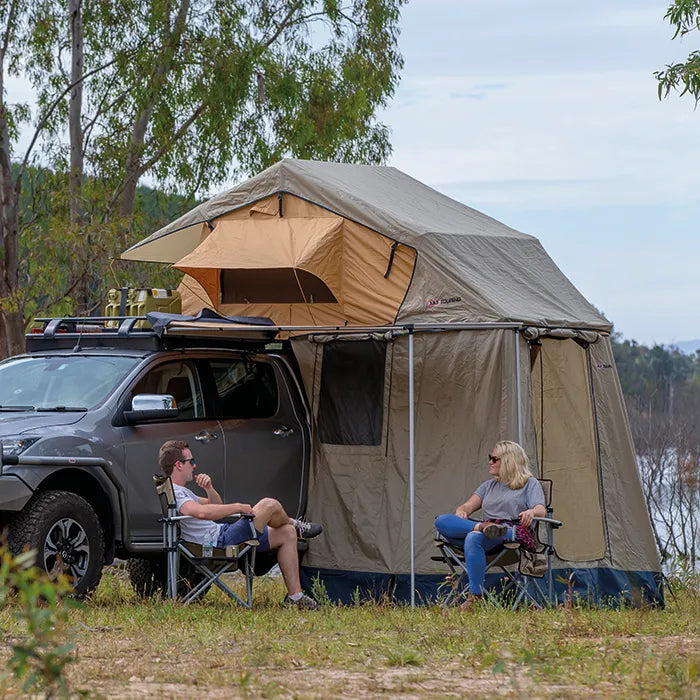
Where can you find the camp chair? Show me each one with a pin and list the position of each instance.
(522, 569)
(238, 557)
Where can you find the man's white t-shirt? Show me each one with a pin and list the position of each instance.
(193, 529)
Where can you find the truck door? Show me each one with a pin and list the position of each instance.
(264, 431)
(142, 442)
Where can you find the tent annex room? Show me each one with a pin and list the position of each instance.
(425, 331)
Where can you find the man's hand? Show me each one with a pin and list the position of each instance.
(245, 508)
(204, 481)
(461, 512)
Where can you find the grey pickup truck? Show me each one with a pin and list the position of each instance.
(83, 414)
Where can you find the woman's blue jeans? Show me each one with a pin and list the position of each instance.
(460, 531)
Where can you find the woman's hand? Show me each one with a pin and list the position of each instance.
(462, 512)
(526, 517)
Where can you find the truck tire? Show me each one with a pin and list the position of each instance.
(148, 576)
(65, 532)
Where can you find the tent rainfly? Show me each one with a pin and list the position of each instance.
(501, 346)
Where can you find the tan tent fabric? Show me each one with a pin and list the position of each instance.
(471, 267)
(367, 273)
(566, 439)
(392, 250)
(631, 538)
(464, 390)
(314, 245)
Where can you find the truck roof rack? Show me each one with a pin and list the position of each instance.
(135, 332)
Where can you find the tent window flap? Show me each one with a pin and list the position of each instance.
(273, 286)
(351, 400)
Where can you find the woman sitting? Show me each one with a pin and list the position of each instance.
(510, 500)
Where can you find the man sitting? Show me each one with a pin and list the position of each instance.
(276, 530)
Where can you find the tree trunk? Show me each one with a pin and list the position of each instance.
(75, 113)
(75, 178)
(133, 168)
(11, 318)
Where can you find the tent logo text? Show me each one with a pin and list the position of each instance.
(432, 303)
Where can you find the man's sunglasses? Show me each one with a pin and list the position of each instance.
(190, 460)
(494, 459)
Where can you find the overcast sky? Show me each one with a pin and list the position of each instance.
(544, 114)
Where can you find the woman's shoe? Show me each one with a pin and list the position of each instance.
(493, 530)
(471, 602)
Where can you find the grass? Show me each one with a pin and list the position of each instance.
(128, 648)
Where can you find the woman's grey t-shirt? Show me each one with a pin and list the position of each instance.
(500, 502)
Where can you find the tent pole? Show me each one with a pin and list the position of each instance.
(517, 386)
(411, 467)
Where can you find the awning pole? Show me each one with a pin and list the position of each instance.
(411, 467)
(517, 386)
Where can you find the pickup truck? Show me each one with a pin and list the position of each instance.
(84, 412)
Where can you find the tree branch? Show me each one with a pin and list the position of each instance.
(49, 112)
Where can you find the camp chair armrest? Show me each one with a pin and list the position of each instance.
(173, 518)
(550, 521)
(235, 517)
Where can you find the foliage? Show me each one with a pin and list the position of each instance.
(40, 657)
(684, 16)
(51, 251)
(191, 93)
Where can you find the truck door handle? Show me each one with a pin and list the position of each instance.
(283, 432)
(205, 436)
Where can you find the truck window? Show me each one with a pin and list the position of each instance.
(180, 380)
(244, 389)
(75, 381)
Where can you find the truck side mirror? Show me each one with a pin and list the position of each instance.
(145, 407)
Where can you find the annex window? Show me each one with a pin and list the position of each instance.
(351, 401)
(244, 389)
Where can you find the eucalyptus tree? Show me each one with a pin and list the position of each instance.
(190, 93)
(684, 16)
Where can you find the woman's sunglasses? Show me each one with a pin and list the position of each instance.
(494, 459)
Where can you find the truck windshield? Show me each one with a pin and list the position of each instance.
(60, 383)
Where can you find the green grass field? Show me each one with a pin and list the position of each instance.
(129, 648)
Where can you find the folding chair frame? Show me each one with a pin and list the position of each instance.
(453, 556)
(239, 557)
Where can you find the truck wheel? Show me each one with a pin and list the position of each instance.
(65, 532)
(148, 576)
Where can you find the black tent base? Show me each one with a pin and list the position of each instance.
(597, 587)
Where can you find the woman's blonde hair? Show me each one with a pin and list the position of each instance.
(514, 471)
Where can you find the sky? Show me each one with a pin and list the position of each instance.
(544, 114)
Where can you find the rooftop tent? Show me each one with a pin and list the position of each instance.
(317, 271)
(467, 325)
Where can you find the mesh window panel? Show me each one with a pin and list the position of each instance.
(273, 286)
(351, 400)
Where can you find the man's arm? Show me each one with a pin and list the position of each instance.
(213, 511)
(204, 481)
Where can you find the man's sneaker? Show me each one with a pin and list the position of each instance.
(308, 530)
(304, 603)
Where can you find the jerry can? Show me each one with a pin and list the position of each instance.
(139, 302)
